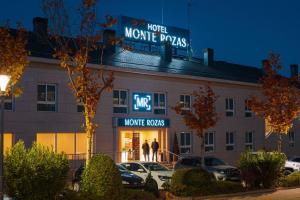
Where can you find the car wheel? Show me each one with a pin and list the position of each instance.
(76, 186)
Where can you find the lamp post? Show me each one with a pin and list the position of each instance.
(4, 79)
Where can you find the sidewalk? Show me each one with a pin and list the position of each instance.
(284, 194)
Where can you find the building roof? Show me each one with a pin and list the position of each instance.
(152, 62)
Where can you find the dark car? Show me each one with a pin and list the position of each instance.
(216, 166)
(129, 179)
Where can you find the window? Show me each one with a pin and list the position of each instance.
(249, 140)
(248, 111)
(291, 139)
(209, 142)
(229, 103)
(185, 143)
(229, 141)
(46, 99)
(7, 141)
(192, 162)
(120, 101)
(159, 103)
(212, 161)
(185, 102)
(70, 143)
(134, 167)
(8, 103)
(80, 107)
(297, 159)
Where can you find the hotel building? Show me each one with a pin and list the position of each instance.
(147, 85)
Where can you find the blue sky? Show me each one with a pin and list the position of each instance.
(240, 31)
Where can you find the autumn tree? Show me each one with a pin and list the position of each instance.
(279, 103)
(13, 56)
(74, 53)
(203, 114)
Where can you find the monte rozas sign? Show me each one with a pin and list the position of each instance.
(151, 33)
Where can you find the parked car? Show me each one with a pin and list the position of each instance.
(292, 165)
(159, 173)
(216, 166)
(129, 179)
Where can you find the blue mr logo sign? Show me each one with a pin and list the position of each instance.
(142, 102)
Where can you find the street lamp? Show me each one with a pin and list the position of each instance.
(4, 79)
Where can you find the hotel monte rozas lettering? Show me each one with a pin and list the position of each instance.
(145, 122)
(156, 34)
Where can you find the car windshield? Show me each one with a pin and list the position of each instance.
(154, 167)
(213, 162)
(121, 168)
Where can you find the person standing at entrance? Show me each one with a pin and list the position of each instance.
(146, 150)
(154, 147)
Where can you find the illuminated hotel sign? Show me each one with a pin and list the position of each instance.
(142, 102)
(143, 122)
(151, 33)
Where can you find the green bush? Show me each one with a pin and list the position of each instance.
(130, 194)
(198, 182)
(34, 174)
(262, 169)
(227, 187)
(101, 178)
(151, 185)
(291, 180)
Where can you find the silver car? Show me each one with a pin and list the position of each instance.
(216, 166)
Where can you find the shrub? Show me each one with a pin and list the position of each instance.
(198, 182)
(191, 182)
(151, 185)
(291, 180)
(101, 178)
(34, 174)
(228, 187)
(130, 194)
(262, 169)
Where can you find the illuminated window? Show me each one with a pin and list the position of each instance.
(46, 98)
(69, 143)
(65, 142)
(120, 101)
(7, 140)
(46, 139)
(209, 142)
(80, 143)
(248, 111)
(159, 103)
(185, 102)
(229, 106)
(229, 141)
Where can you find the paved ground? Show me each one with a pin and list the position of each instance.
(288, 194)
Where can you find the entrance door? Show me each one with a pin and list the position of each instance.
(136, 146)
(131, 141)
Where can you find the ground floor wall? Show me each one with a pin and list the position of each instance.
(118, 142)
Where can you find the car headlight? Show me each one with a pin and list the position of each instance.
(163, 178)
(221, 171)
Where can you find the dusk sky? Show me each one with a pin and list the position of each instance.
(240, 31)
